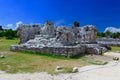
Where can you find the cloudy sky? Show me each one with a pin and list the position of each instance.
(101, 13)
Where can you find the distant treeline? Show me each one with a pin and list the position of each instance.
(8, 33)
(108, 34)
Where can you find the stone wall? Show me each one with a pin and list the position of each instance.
(48, 29)
(27, 32)
(67, 41)
(65, 35)
(108, 41)
(63, 50)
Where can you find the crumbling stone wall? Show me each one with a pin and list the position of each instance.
(27, 32)
(48, 29)
(89, 34)
(65, 35)
(67, 41)
(63, 51)
(108, 41)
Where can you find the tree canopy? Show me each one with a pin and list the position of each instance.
(1, 29)
(76, 24)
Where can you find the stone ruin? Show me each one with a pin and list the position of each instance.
(108, 41)
(27, 32)
(66, 41)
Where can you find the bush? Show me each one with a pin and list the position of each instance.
(76, 24)
(9, 34)
(108, 34)
(1, 34)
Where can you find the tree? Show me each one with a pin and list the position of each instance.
(76, 24)
(1, 29)
(108, 33)
(2, 33)
(118, 34)
(113, 35)
(10, 34)
(101, 34)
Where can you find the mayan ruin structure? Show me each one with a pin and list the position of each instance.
(60, 40)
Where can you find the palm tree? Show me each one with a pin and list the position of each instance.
(76, 24)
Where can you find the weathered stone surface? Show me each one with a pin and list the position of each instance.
(95, 49)
(64, 50)
(108, 41)
(58, 68)
(65, 41)
(27, 32)
(89, 34)
(65, 35)
(61, 50)
(86, 34)
(75, 69)
(48, 29)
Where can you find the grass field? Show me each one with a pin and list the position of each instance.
(20, 62)
(114, 48)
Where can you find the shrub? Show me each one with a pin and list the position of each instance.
(10, 34)
(76, 24)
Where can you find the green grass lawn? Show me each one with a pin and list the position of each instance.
(115, 48)
(15, 62)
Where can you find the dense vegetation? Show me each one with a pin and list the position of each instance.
(76, 24)
(108, 34)
(8, 33)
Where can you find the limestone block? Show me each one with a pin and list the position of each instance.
(75, 69)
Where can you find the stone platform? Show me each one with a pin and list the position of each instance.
(67, 41)
(63, 50)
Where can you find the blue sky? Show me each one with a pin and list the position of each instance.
(101, 13)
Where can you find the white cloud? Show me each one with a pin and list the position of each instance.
(10, 26)
(18, 23)
(59, 22)
(112, 29)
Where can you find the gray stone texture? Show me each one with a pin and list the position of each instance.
(67, 41)
(108, 41)
(27, 32)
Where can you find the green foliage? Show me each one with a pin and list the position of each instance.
(115, 35)
(9, 34)
(108, 34)
(1, 34)
(116, 58)
(1, 29)
(76, 24)
(101, 34)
